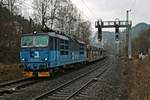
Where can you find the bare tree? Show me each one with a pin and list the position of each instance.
(67, 15)
(62, 15)
(141, 43)
(1, 2)
(12, 5)
(45, 11)
(40, 8)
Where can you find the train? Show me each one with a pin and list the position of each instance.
(43, 52)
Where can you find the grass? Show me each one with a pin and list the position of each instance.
(139, 79)
(10, 72)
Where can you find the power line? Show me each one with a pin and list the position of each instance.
(82, 12)
(89, 9)
(133, 4)
(28, 5)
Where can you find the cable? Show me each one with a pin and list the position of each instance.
(133, 4)
(81, 10)
(89, 9)
(27, 5)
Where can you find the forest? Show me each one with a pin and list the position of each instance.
(59, 15)
(141, 44)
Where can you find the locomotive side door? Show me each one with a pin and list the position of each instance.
(72, 51)
(57, 51)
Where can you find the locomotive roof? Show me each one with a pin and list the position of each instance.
(53, 34)
(57, 35)
(61, 36)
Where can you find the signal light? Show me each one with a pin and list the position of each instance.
(99, 33)
(117, 37)
(117, 33)
(99, 37)
(117, 30)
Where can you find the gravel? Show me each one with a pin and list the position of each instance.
(111, 86)
(33, 91)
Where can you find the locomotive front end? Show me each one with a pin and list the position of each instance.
(34, 54)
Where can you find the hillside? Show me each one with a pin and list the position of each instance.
(107, 38)
(11, 26)
(139, 28)
(142, 43)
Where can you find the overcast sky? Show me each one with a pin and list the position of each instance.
(108, 9)
(111, 9)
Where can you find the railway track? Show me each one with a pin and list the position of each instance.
(13, 86)
(67, 90)
(28, 91)
(73, 95)
(13, 82)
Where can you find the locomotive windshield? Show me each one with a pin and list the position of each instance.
(34, 41)
(41, 41)
(27, 41)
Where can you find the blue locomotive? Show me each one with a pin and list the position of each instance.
(41, 53)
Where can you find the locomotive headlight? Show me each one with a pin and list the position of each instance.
(46, 59)
(23, 59)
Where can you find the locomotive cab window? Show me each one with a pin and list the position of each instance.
(41, 41)
(27, 41)
(34, 41)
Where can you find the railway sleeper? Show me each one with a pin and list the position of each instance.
(7, 91)
(55, 98)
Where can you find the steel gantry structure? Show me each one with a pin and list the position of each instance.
(116, 24)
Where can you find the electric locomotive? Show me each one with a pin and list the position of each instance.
(43, 52)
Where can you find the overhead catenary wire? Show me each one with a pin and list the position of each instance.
(133, 4)
(90, 10)
(80, 9)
